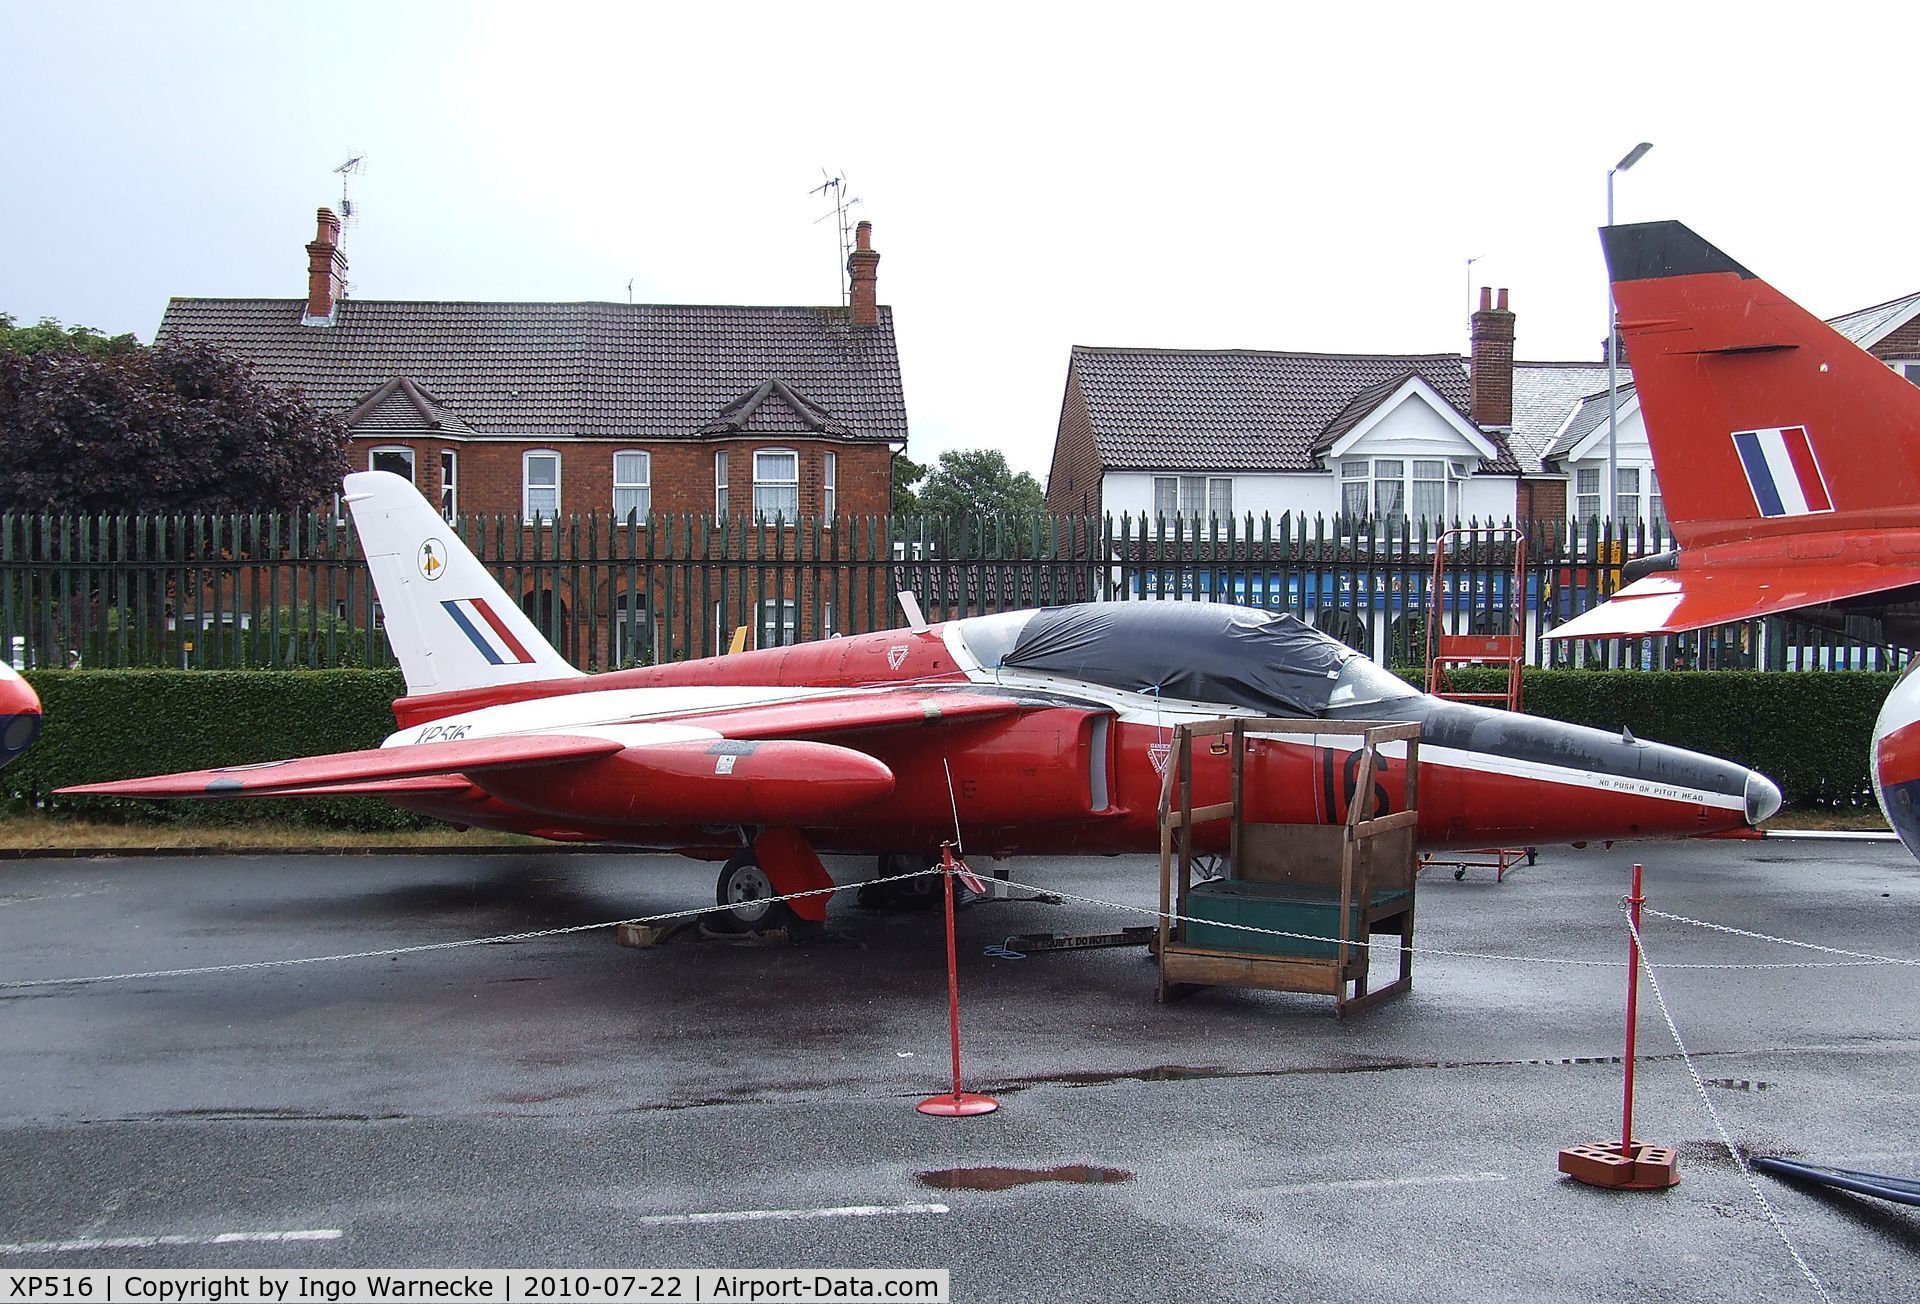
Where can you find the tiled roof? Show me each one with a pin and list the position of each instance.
(1543, 394)
(1868, 326)
(1587, 418)
(1241, 410)
(402, 407)
(647, 371)
(1358, 409)
(774, 407)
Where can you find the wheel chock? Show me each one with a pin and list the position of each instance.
(1635, 1166)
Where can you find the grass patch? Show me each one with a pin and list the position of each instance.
(1831, 819)
(39, 833)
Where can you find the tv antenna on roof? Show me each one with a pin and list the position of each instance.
(837, 187)
(353, 167)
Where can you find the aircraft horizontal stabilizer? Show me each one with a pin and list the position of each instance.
(1675, 601)
(310, 774)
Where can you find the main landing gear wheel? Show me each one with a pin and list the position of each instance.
(745, 887)
(920, 893)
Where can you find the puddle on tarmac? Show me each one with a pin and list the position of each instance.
(1002, 1179)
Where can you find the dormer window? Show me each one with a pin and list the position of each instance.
(1387, 487)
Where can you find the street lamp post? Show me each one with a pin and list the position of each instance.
(1634, 155)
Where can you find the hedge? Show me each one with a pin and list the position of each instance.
(117, 724)
(1808, 732)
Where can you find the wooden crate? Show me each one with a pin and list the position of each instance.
(1354, 879)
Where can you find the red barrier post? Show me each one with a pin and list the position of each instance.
(958, 1103)
(1626, 1164)
(1634, 903)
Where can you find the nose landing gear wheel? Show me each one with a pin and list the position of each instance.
(745, 887)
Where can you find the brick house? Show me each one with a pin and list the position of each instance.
(538, 414)
(544, 410)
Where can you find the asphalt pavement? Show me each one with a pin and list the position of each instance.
(565, 1101)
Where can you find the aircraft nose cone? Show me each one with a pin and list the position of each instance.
(19, 715)
(1763, 798)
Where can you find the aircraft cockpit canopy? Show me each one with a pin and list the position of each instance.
(1273, 663)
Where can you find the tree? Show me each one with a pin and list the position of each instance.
(174, 428)
(978, 482)
(906, 474)
(50, 334)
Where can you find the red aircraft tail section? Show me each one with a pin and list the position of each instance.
(1788, 456)
(1764, 420)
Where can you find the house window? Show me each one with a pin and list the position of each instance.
(1390, 490)
(1430, 491)
(777, 622)
(1626, 493)
(449, 484)
(397, 460)
(1353, 487)
(1586, 493)
(1907, 368)
(632, 630)
(540, 486)
(776, 484)
(829, 484)
(632, 484)
(1192, 496)
(720, 483)
(1656, 505)
(1382, 487)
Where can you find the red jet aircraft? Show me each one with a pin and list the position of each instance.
(1790, 462)
(19, 714)
(1036, 731)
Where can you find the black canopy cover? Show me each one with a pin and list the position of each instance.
(1196, 651)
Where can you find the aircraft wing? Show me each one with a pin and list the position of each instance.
(857, 712)
(377, 769)
(1671, 602)
(771, 762)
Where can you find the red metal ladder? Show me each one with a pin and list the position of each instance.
(1446, 652)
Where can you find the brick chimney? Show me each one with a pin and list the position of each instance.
(863, 279)
(326, 272)
(1490, 371)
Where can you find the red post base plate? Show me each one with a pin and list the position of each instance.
(958, 1104)
(1641, 1168)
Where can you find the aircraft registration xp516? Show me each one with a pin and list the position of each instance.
(1789, 458)
(1035, 731)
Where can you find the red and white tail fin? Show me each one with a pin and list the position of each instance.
(451, 626)
(1764, 420)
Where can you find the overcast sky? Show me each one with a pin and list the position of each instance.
(1175, 176)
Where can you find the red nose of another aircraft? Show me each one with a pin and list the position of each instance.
(19, 715)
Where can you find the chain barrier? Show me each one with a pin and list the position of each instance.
(1862, 957)
(1859, 959)
(1719, 1124)
(496, 940)
(1393, 946)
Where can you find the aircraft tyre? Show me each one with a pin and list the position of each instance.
(746, 888)
(921, 893)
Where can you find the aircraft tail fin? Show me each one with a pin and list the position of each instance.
(451, 625)
(1764, 420)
